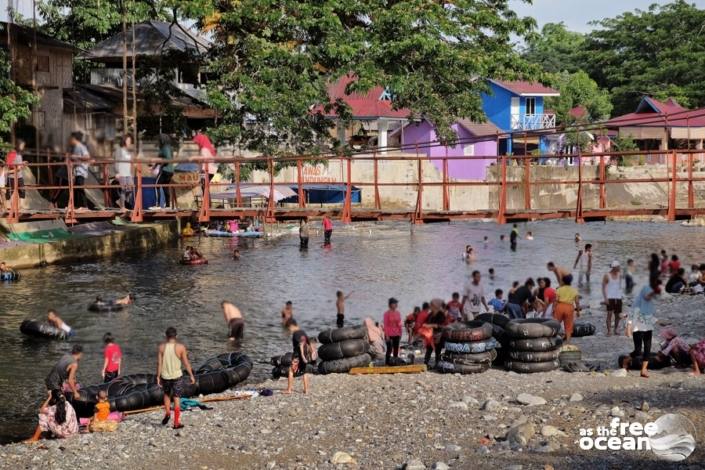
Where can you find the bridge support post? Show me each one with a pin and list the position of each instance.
(106, 185)
(70, 215)
(446, 194)
(271, 204)
(378, 202)
(502, 206)
(299, 182)
(579, 201)
(14, 215)
(346, 216)
(137, 214)
(672, 193)
(603, 177)
(238, 195)
(418, 211)
(527, 183)
(691, 192)
(204, 214)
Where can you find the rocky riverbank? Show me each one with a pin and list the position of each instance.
(496, 419)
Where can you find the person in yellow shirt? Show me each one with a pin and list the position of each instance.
(100, 421)
(566, 305)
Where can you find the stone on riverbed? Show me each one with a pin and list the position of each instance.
(530, 400)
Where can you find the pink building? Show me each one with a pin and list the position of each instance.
(474, 140)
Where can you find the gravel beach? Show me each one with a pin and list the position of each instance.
(496, 419)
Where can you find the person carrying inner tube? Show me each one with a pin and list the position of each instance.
(234, 319)
(172, 356)
(303, 354)
(64, 372)
(53, 318)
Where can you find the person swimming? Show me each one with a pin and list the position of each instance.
(236, 254)
(54, 319)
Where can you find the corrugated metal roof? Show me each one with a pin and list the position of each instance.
(655, 113)
(152, 38)
(363, 106)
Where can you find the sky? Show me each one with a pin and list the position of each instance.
(576, 14)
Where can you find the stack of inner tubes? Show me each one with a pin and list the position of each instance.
(342, 349)
(139, 391)
(583, 328)
(9, 276)
(534, 345)
(42, 329)
(499, 323)
(469, 349)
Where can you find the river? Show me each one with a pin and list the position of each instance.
(374, 261)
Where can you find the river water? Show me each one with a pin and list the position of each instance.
(374, 261)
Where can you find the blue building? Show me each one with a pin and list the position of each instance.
(517, 107)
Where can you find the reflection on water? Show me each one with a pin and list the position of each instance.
(375, 261)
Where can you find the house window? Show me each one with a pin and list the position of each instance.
(469, 150)
(530, 106)
(43, 63)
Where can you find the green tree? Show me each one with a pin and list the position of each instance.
(15, 102)
(658, 52)
(555, 49)
(275, 60)
(578, 89)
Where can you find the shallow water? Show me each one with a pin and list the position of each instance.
(375, 261)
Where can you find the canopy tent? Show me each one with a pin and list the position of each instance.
(325, 194)
(281, 192)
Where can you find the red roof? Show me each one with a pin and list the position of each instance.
(655, 113)
(363, 106)
(524, 88)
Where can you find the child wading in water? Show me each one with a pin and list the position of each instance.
(340, 299)
(100, 421)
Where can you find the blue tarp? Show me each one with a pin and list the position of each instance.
(325, 194)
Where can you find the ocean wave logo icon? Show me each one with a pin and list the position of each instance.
(674, 439)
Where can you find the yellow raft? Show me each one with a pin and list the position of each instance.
(409, 369)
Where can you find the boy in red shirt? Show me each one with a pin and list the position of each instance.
(113, 358)
(392, 330)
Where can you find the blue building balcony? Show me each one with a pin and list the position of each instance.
(530, 122)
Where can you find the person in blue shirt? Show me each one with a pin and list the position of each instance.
(643, 320)
(498, 303)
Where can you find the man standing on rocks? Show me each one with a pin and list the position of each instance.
(612, 294)
(473, 297)
(172, 356)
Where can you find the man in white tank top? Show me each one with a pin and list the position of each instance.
(612, 293)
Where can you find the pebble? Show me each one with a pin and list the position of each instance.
(519, 436)
(453, 448)
(619, 373)
(491, 405)
(470, 400)
(576, 397)
(644, 406)
(617, 412)
(342, 458)
(414, 464)
(550, 431)
(461, 405)
(530, 400)
(440, 466)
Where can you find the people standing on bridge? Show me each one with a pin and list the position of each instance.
(172, 357)
(559, 271)
(304, 232)
(234, 320)
(15, 166)
(340, 299)
(206, 153)
(327, 229)
(584, 264)
(123, 171)
(166, 171)
(473, 297)
(513, 236)
(79, 157)
(612, 295)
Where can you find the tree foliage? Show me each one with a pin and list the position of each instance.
(578, 89)
(275, 60)
(555, 49)
(15, 102)
(658, 52)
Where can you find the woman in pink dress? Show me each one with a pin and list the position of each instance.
(57, 417)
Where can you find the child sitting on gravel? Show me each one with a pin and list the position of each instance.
(100, 421)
